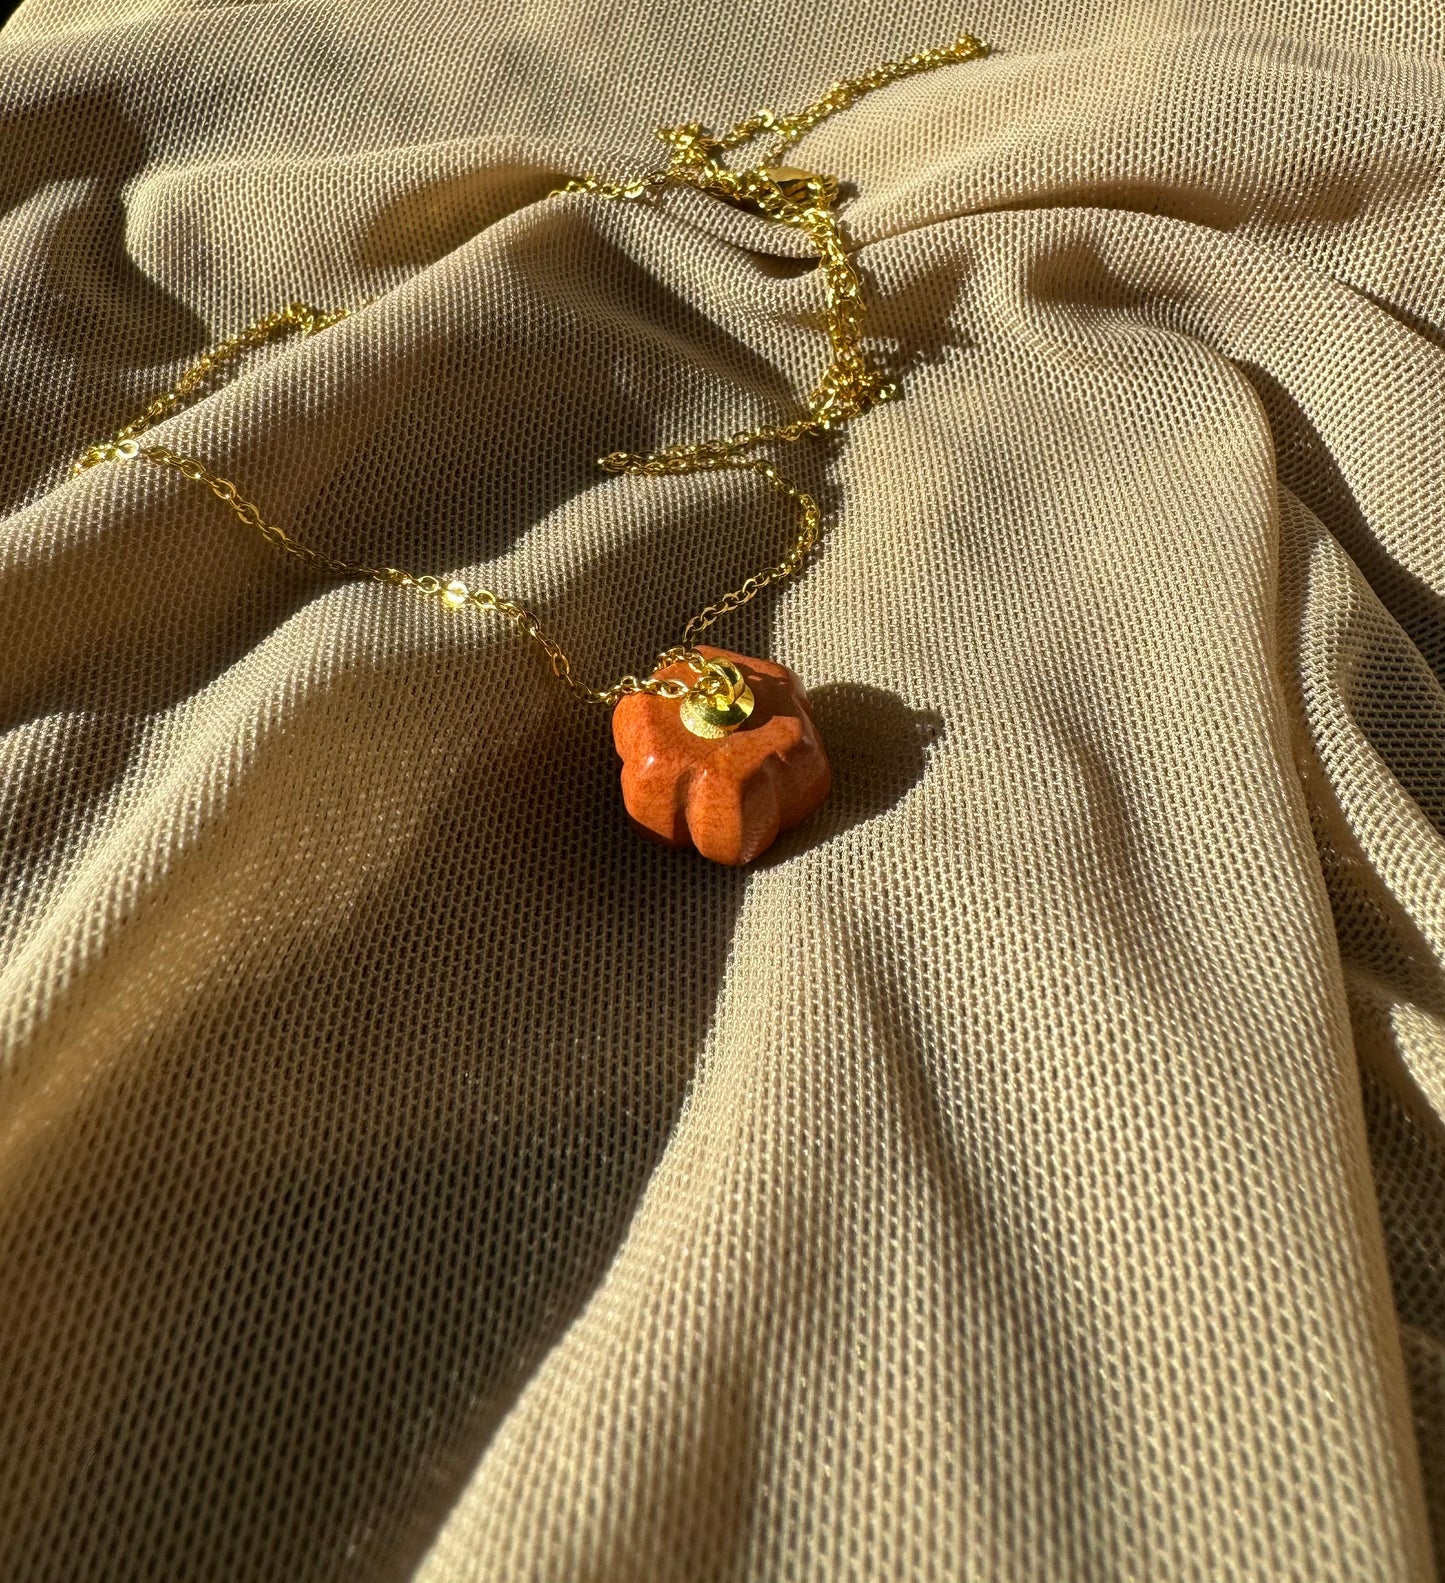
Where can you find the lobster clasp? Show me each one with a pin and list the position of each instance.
(781, 192)
(805, 188)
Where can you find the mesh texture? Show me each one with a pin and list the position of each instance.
(1034, 1168)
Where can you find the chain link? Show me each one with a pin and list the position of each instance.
(848, 387)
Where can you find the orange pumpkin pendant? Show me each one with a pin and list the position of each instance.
(726, 770)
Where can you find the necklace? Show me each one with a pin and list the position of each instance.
(719, 750)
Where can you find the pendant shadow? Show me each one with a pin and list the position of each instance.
(879, 748)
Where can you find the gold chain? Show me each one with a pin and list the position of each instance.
(848, 387)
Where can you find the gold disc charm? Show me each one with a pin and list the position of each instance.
(719, 703)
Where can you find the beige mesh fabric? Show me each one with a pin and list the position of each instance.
(1033, 1171)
